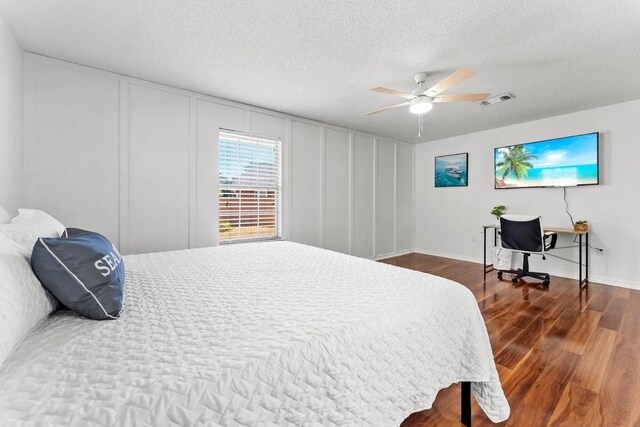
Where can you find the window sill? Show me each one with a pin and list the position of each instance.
(263, 239)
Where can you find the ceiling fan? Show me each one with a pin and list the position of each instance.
(421, 100)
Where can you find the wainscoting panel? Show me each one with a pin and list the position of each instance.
(363, 196)
(385, 197)
(158, 170)
(404, 198)
(337, 192)
(72, 169)
(137, 161)
(268, 124)
(305, 184)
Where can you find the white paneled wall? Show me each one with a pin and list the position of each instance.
(158, 153)
(11, 96)
(305, 184)
(337, 190)
(404, 197)
(363, 218)
(137, 161)
(72, 168)
(385, 197)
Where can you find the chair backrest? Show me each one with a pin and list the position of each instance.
(522, 233)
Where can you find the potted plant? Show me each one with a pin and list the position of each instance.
(498, 211)
(581, 225)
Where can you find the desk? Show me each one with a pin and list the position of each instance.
(583, 243)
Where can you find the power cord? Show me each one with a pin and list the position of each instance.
(564, 193)
(566, 204)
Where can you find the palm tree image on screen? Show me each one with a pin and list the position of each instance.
(515, 161)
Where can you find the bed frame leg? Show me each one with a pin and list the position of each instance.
(465, 404)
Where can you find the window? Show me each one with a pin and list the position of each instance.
(250, 187)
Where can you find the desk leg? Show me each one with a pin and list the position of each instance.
(484, 250)
(586, 255)
(580, 261)
(487, 267)
(583, 282)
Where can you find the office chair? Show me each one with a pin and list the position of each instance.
(524, 233)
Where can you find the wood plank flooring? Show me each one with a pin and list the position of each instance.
(565, 357)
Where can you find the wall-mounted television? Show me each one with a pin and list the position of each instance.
(560, 162)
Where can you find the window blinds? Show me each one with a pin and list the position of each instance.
(250, 187)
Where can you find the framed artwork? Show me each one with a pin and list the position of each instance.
(452, 170)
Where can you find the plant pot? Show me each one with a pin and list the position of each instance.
(581, 227)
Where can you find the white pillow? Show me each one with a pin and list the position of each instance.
(5, 217)
(28, 226)
(23, 302)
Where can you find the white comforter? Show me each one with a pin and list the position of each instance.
(256, 334)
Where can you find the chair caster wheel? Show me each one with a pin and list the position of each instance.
(546, 283)
(500, 275)
(515, 280)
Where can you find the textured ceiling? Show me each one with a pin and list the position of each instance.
(317, 59)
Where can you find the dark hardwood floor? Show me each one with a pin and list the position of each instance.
(565, 357)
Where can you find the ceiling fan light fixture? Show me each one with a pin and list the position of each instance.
(420, 105)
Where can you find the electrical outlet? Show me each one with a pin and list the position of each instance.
(364, 239)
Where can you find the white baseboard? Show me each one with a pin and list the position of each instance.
(476, 260)
(392, 254)
(558, 273)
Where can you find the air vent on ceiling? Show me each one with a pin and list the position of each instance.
(496, 99)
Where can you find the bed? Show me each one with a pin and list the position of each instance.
(256, 334)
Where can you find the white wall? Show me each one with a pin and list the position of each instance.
(11, 153)
(137, 161)
(449, 220)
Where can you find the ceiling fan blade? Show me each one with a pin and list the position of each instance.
(465, 97)
(402, 104)
(392, 92)
(456, 78)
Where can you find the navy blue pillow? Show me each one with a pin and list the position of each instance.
(83, 270)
